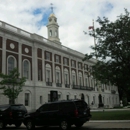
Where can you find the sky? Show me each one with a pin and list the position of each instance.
(73, 17)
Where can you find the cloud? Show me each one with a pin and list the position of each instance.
(73, 17)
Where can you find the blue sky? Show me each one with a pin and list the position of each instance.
(73, 17)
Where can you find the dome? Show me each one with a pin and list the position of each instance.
(52, 15)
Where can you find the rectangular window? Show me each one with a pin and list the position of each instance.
(48, 56)
(57, 77)
(79, 66)
(40, 99)
(86, 81)
(67, 97)
(85, 67)
(26, 99)
(66, 78)
(80, 81)
(73, 64)
(57, 59)
(65, 61)
(39, 74)
(73, 78)
(48, 75)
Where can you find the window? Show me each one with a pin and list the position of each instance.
(80, 81)
(79, 66)
(65, 61)
(73, 64)
(48, 75)
(26, 99)
(50, 32)
(86, 81)
(66, 78)
(75, 97)
(67, 97)
(40, 99)
(48, 56)
(85, 67)
(11, 64)
(73, 78)
(26, 69)
(57, 77)
(56, 33)
(57, 59)
(40, 74)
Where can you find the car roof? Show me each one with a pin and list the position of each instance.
(62, 101)
(11, 105)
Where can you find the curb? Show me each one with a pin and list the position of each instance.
(111, 121)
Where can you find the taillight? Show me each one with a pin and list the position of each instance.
(10, 113)
(76, 113)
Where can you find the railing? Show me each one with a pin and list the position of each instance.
(48, 83)
(82, 87)
(113, 91)
(58, 84)
(67, 85)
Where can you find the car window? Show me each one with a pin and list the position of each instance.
(18, 107)
(81, 104)
(44, 107)
(66, 106)
(53, 107)
(2, 108)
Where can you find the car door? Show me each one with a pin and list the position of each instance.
(41, 116)
(52, 114)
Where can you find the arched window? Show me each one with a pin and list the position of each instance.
(26, 72)
(50, 32)
(55, 32)
(73, 78)
(11, 64)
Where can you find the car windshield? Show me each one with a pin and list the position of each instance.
(17, 107)
(2, 108)
(81, 104)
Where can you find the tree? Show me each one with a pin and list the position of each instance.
(11, 84)
(112, 51)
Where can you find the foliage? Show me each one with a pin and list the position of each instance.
(11, 84)
(112, 50)
(108, 115)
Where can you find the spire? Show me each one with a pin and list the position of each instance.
(52, 8)
(53, 27)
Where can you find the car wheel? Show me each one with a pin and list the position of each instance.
(64, 125)
(30, 125)
(2, 124)
(18, 124)
(79, 124)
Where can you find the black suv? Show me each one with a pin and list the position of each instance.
(12, 114)
(62, 113)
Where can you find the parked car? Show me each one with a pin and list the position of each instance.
(12, 114)
(63, 113)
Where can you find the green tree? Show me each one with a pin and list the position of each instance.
(11, 84)
(112, 51)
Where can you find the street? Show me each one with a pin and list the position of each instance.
(87, 126)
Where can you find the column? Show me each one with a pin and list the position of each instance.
(53, 68)
(62, 69)
(20, 59)
(4, 63)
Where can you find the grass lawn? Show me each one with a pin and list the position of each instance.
(111, 115)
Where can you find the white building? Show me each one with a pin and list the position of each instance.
(49, 66)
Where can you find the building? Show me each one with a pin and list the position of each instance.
(50, 68)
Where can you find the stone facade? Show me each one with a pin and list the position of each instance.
(50, 66)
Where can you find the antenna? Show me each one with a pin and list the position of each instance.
(52, 8)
